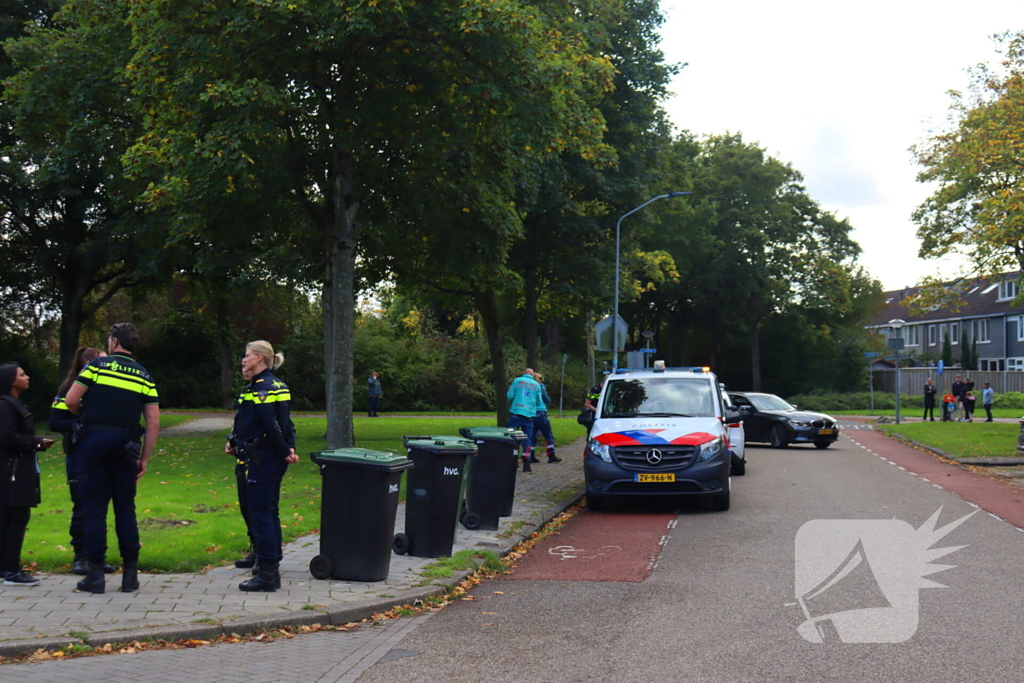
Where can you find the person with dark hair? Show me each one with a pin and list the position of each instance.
(63, 422)
(930, 390)
(19, 472)
(112, 395)
(374, 394)
(264, 439)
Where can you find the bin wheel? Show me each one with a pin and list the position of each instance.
(401, 544)
(320, 567)
(470, 520)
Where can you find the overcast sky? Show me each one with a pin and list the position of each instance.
(840, 91)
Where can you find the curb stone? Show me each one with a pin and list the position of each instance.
(336, 614)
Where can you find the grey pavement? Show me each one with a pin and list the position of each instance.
(205, 605)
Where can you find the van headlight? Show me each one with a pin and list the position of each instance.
(601, 450)
(710, 449)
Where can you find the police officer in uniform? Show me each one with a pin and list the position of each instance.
(112, 394)
(264, 439)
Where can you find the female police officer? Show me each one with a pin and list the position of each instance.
(264, 438)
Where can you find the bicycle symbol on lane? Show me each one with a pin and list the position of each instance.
(568, 552)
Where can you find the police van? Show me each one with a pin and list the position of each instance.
(661, 432)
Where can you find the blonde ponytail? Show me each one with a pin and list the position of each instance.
(264, 349)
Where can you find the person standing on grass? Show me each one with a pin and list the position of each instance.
(522, 398)
(968, 400)
(988, 397)
(958, 394)
(541, 423)
(63, 421)
(265, 440)
(19, 472)
(374, 393)
(929, 399)
(112, 395)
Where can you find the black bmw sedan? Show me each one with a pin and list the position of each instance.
(768, 418)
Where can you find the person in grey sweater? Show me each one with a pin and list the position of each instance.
(375, 392)
(988, 397)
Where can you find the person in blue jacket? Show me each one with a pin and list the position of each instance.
(63, 421)
(264, 438)
(541, 423)
(522, 399)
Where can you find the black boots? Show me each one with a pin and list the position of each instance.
(554, 458)
(247, 562)
(267, 581)
(80, 566)
(94, 581)
(130, 577)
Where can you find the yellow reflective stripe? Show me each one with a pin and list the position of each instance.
(59, 404)
(105, 372)
(110, 381)
(272, 397)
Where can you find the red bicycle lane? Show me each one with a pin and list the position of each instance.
(988, 492)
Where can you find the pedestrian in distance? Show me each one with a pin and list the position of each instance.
(988, 397)
(249, 561)
(968, 400)
(542, 425)
(929, 399)
(958, 395)
(264, 438)
(948, 407)
(522, 397)
(19, 472)
(374, 394)
(112, 395)
(63, 422)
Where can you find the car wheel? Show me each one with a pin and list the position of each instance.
(739, 467)
(597, 503)
(778, 437)
(822, 444)
(720, 503)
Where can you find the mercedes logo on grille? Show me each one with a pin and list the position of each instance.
(654, 456)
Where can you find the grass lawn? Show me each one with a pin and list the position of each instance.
(187, 505)
(962, 439)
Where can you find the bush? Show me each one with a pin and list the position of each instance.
(861, 400)
(1011, 399)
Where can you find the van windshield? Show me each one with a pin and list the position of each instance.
(659, 397)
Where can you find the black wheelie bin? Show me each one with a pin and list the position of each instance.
(433, 494)
(359, 502)
(491, 490)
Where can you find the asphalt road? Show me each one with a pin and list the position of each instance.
(717, 604)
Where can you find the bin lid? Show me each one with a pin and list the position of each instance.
(507, 434)
(362, 456)
(440, 443)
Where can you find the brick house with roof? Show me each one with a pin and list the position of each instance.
(987, 314)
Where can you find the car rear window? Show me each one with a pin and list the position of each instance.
(659, 396)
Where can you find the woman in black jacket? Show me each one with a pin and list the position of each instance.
(19, 472)
(62, 421)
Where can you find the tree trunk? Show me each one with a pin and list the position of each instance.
(530, 327)
(227, 368)
(339, 307)
(754, 332)
(486, 303)
(553, 355)
(72, 319)
(591, 358)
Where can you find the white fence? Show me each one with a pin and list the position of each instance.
(912, 380)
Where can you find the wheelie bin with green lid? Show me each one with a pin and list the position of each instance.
(433, 494)
(491, 490)
(359, 502)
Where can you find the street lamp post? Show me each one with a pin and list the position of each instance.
(897, 343)
(618, 234)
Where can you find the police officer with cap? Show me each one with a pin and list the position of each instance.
(112, 394)
(264, 438)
